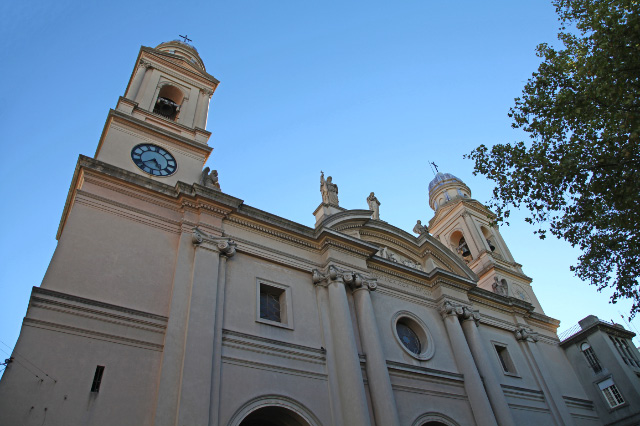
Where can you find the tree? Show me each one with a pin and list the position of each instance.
(578, 176)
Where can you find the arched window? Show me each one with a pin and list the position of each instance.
(591, 357)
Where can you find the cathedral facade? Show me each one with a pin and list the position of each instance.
(169, 302)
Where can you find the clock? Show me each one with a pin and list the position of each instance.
(153, 160)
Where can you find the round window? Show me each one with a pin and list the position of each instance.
(413, 335)
(408, 337)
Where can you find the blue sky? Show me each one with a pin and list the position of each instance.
(369, 92)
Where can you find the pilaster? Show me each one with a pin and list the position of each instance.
(353, 400)
(528, 340)
(187, 367)
(474, 388)
(382, 398)
(470, 320)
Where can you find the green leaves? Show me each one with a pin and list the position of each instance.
(579, 176)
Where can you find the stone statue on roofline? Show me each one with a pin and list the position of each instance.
(210, 180)
(374, 206)
(329, 190)
(420, 228)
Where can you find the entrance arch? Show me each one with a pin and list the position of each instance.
(273, 410)
(273, 416)
(434, 419)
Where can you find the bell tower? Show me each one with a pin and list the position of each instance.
(158, 127)
(464, 225)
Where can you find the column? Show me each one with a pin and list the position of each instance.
(174, 340)
(353, 399)
(187, 367)
(478, 240)
(139, 95)
(227, 251)
(484, 363)
(464, 360)
(202, 108)
(333, 384)
(137, 79)
(559, 410)
(384, 406)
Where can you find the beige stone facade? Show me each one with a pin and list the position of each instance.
(167, 282)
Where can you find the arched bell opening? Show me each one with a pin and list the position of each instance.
(460, 245)
(489, 237)
(168, 103)
(273, 416)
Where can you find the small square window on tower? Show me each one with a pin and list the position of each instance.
(97, 378)
(505, 359)
(274, 304)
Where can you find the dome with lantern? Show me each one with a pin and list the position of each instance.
(446, 187)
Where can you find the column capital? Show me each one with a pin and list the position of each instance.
(526, 334)
(225, 246)
(354, 280)
(469, 314)
(145, 64)
(206, 92)
(449, 308)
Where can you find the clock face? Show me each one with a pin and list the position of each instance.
(153, 160)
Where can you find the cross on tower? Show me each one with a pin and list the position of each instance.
(186, 39)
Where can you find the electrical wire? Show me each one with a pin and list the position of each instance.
(25, 359)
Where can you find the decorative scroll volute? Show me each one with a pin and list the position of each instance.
(451, 309)
(525, 334)
(354, 280)
(469, 314)
(225, 246)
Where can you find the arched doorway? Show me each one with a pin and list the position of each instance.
(273, 416)
(434, 419)
(273, 410)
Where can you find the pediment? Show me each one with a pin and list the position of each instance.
(424, 253)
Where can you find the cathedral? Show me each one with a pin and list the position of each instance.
(169, 302)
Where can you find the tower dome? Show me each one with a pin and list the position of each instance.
(183, 50)
(446, 187)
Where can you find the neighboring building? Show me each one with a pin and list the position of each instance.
(169, 302)
(608, 366)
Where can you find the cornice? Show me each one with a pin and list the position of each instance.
(180, 196)
(96, 303)
(201, 75)
(505, 268)
(599, 326)
(151, 130)
(504, 303)
(267, 230)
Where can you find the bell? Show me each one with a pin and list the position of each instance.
(166, 107)
(466, 252)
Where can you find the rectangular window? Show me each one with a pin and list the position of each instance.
(611, 393)
(97, 378)
(505, 359)
(274, 304)
(270, 302)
